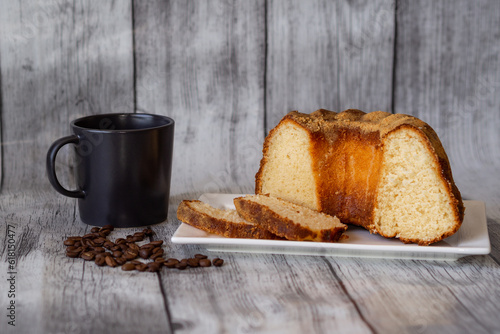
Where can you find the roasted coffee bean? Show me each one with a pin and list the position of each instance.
(158, 250)
(100, 261)
(147, 231)
(145, 253)
(130, 238)
(156, 243)
(87, 256)
(181, 265)
(95, 229)
(88, 236)
(104, 233)
(108, 227)
(139, 234)
(110, 261)
(136, 262)
(108, 244)
(123, 247)
(99, 241)
(193, 262)
(71, 248)
(156, 256)
(115, 248)
(137, 239)
(133, 246)
(160, 259)
(147, 246)
(171, 263)
(78, 244)
(69, 242)
(99, 249)
(141, 267)
(130, 254)
(117, 254)
(153, 267)
(205, 263)
(88, 243)
(120, 260)
(128, 266)
(120, 241)
(217, 262)
(73, 254)
(200, 256)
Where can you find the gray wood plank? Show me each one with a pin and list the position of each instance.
(202, 64)
(57, 294)
(448, 74)
(332, 55)
(60, 60)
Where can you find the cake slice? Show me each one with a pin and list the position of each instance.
(288, 220)
(226, 223)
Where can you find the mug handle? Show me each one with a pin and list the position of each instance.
(51, 162)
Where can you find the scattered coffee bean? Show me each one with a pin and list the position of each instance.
(128, 266)
(170, 263)
(69, 242)
(156, 256)
(100, 261)
(181, 265)
(108, 244)
(153, 267)
(156, 243)
(120, 241)
(110, 261)
(73, 254)
(141, 267)
(124, 252)
(194, 262)
(87, 256)
(99, 249)
(99, 241)
(217, 262)
(145, 253)
(117, 254)
(205, 263)
(147, 246)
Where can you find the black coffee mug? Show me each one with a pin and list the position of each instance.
(123, 168)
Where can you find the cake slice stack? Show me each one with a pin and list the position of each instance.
(262, 217)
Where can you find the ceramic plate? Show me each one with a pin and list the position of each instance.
(471, 239)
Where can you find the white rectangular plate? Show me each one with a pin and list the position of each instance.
(471, 239)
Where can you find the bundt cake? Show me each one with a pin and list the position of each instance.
(385, 172)
(288, 220)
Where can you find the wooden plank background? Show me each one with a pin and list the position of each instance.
(227, 72)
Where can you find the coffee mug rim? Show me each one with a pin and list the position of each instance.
(74, 122)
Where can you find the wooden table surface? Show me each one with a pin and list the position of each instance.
(227, 72)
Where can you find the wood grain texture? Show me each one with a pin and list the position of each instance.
(328, 54)
(60, 60)
(57, 294)
(202, 64)
(227, 72)
(448, 74)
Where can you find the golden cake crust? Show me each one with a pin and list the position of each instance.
(359, 139)
(188, 213)
(284, 226)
